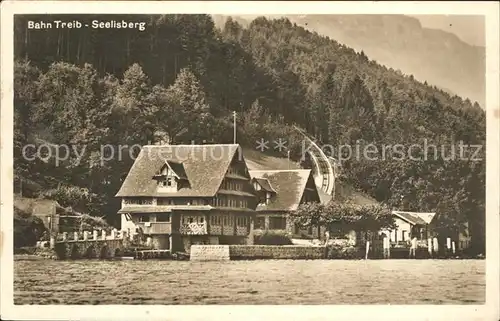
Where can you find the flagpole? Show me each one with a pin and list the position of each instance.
(234, 127)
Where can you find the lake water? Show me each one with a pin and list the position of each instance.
(249, 282)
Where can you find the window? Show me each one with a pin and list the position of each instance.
(260, 223)
(165, 201)
(164, 217)
(241, 221)
(215, 220)
(403, 235)
(227, 220)
(144, 218)
(138, 201)
(277, 223)
(168, 182)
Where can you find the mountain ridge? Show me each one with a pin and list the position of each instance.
(431, 55)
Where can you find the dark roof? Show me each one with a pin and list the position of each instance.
(265, 184)
(289, 186)
(204, 166)
(415, 218)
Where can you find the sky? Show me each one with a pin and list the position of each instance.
(469, 28)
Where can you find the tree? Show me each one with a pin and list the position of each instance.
(131, 111)
(25, 95)
(343, 217)
(182, 111)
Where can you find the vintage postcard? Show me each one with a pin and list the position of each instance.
(250, 160)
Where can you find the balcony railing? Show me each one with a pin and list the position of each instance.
(156, 227)
(193, 228)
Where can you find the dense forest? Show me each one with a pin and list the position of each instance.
(180, 80)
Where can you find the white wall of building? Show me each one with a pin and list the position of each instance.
(402, 231)
(127, 224)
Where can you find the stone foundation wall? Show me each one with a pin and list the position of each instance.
(250, 252)
(209, 253)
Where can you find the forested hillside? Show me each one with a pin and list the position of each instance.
(401, 42)
(182, 77)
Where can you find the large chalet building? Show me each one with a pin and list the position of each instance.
(179, 195)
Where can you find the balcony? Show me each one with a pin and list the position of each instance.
(241, 230)
(193, 228)
(156, 227)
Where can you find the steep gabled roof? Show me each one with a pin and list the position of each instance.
(289, 186)
(265, 184)
(426, 217)
(415, 217)
(204, 166)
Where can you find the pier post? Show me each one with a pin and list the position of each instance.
(387, 248)
(85, 235)
(453, 247)
(52, 241)
(103, 235)
(125, 238)
(65, 236)
(429, 247)
(448, 246)
(113, 234)
(75, 236)
(413, 248)
(95, 235)
(435, 245)
(149, 241)
(367, 249)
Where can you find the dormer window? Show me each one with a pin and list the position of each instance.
(168, 182)
(171, 176)
(268, 197)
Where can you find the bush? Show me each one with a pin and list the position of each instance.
(27, 228)
(90, 223)
(270, 238)
(335, 251)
